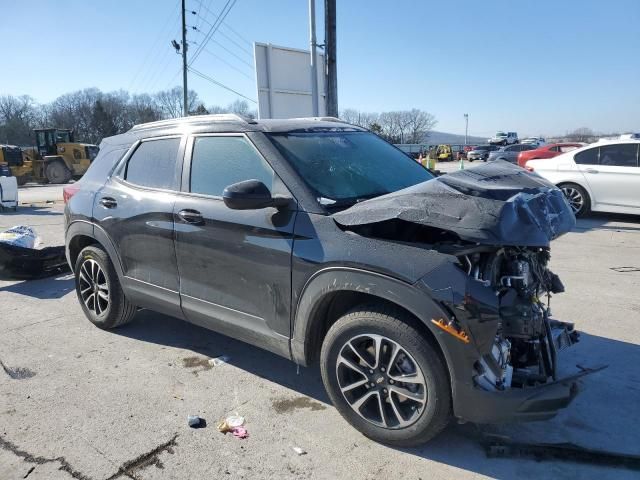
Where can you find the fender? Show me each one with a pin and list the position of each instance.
(88, 229)
(335, 279)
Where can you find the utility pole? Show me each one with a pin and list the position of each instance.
(466, 127)
(185, 107)
(331, 75)
(314, 68)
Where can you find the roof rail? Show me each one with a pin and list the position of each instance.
(222, 117)
(318, 119)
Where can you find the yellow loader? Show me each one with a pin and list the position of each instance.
(56, 158)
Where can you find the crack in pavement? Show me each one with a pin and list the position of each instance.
(38, 460)
(145, 460)
(127, 469)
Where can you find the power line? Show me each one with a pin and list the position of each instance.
(229, 52)
(224, 12)
(153, 51)
(230, 65)
(226, 25)
(230, 39)
(215, 82)
(165, 54)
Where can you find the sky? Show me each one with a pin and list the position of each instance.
(538, 67)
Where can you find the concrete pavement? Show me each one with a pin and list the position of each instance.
(90, 404)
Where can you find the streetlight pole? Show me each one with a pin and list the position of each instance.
(466, 127)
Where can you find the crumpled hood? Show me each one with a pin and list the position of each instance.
(494, 204)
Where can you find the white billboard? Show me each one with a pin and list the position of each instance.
(283, 80)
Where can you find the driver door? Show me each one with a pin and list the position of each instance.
(234, 265)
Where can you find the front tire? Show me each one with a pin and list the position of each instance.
(57, 173)
(99, 291)
(577, 197)
(385, 377)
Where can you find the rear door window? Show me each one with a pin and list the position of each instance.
(587, 157)
(220, 161)
(621, 155)
(154, 164)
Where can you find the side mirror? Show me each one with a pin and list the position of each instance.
(251, 195)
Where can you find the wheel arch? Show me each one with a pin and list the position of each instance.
(330, 293)
(81, 234)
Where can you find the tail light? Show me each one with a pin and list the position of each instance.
(69, 191)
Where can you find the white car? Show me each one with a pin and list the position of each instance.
(538, 141)
(601, 177)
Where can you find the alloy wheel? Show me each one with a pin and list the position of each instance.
(575, 198)
(381, 381)
(94, 288)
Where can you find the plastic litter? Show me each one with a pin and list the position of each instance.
(234, 424)
(234, 421)
(299, 451)
(21, 236)
(239, 432)
(19, 257)
(195, 421)
(219, 361)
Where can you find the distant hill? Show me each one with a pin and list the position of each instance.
(436, 138)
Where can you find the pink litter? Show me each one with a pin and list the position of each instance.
(240, 432)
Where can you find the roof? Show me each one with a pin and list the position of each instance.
(233, 123)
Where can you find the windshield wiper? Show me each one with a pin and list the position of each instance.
(346, 202)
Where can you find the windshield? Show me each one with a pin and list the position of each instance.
(343, 167)
(501, 134)
(482, 147)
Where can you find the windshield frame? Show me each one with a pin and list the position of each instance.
(330, 205)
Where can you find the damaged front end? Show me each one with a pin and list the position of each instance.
(495, 224)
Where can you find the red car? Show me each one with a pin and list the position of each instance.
(546, 151)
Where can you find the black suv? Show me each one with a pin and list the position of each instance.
(421, 297)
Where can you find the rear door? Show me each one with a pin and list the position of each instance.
(135, 209)
(612, 174)
(235, 265)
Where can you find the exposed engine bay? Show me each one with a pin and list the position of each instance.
(523, 353)
(498, 221)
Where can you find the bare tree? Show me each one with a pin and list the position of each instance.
(419, 126)
(18, 116)
(356, 117)
(171, 102)
(583, 134)
(143, 109)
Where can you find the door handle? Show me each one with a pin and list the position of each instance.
(191, 216)
(591, 170)
(108, 202)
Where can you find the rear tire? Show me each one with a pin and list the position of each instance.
(375, 405)
(57, 173)
(99, 291)
(577, 197)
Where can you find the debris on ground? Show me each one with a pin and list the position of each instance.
(233, 424)
(239, 432)
(219, 361)
(21, 259)
(299, 451)
(195, 421)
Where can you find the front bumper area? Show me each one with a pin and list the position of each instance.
(516, 405)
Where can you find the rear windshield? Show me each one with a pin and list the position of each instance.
(342, 167)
